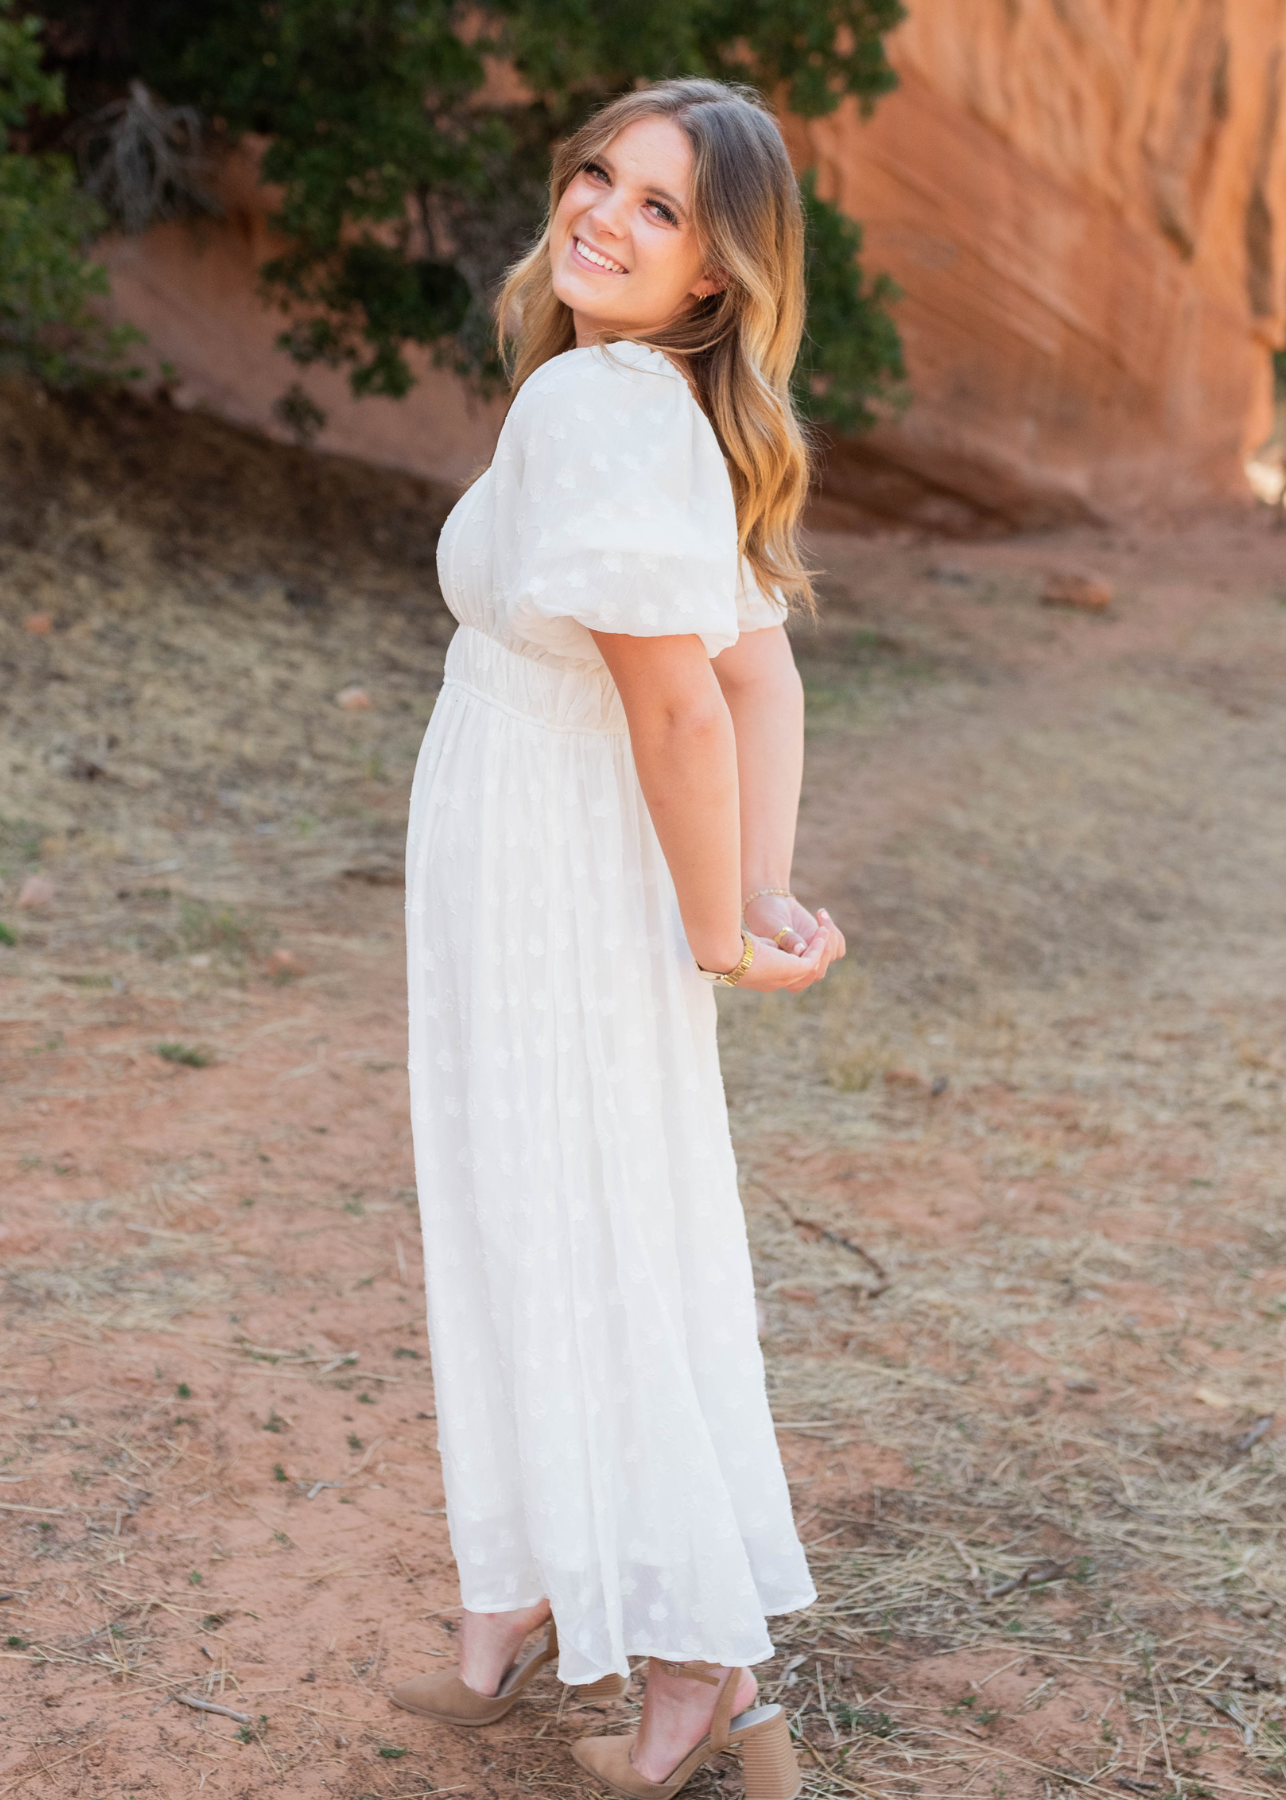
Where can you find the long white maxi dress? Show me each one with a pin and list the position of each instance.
(604, 1429)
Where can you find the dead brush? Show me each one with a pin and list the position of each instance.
(143, 1290)
(232, 934)
(19, 845)
(935, 1574)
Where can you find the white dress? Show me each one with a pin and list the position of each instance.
(604, 1429)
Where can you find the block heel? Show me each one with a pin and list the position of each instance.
(607, 1687)
(768, 1757)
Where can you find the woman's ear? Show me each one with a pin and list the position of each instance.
(713, 283)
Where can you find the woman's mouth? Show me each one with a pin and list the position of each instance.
(595, 258)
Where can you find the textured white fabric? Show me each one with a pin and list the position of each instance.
(605, 1434)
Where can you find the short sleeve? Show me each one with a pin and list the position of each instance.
(613, 507)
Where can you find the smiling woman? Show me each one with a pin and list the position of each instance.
(623, 251)
(602, 827)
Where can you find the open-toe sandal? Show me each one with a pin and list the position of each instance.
(760, 1736)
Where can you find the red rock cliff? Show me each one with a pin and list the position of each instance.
(1084, 202)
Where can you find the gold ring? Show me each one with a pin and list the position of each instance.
(786, 931)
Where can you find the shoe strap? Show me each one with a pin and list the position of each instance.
(693, 1671)
(721, 1723)
(722, 1720)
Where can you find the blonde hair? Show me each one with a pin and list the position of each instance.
(739, 346)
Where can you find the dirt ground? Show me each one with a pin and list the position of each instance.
(1014, 1175)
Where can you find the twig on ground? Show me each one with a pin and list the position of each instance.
(1156, 1702)
(1037, 1576)
(830, 1235)
(211, 1706)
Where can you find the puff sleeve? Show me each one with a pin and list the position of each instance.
(613, 506)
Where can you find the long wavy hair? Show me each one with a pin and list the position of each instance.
(738, 346)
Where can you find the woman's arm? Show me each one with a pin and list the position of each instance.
(765, 698)
(685, 752)
(686, 757)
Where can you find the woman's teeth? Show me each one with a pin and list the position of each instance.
(601, 262)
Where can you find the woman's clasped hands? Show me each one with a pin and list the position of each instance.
(793, 947)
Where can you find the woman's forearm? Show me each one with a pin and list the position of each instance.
(765, 698)
(685, 752)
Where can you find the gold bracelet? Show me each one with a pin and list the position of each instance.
(730, 977)
(763, 893)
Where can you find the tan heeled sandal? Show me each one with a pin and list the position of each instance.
(760, 1736)
(442, 1695)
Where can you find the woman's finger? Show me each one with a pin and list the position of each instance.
(828, 933)
(812, 963)
(839, 947)
(808, 959)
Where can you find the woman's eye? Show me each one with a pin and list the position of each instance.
(597, 170)
(664, 212)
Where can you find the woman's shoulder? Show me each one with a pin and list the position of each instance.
(613, 381)
(617, 424)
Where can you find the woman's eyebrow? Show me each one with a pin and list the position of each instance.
(676, 203)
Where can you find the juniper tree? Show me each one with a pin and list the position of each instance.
(410, 141)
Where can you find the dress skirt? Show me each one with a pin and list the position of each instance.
(604, 1429)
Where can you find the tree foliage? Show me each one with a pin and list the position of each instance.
(852, 351)
(412, 174)
(49, 326)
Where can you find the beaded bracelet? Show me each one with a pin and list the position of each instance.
(763, 893)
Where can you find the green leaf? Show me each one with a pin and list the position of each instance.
(24, 85)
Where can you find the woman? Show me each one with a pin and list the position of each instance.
(612, 769)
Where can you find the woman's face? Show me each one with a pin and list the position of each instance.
(623, 250)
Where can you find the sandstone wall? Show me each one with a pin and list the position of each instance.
(1084, 202)
(194, 291)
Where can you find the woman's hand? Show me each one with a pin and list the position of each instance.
(782, 920)
(808, 948)
(790, 926)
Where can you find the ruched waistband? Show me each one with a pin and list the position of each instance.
(560, 699)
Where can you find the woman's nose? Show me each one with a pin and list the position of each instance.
(608, 215)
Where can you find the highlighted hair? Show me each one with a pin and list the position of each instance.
(739, 346)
